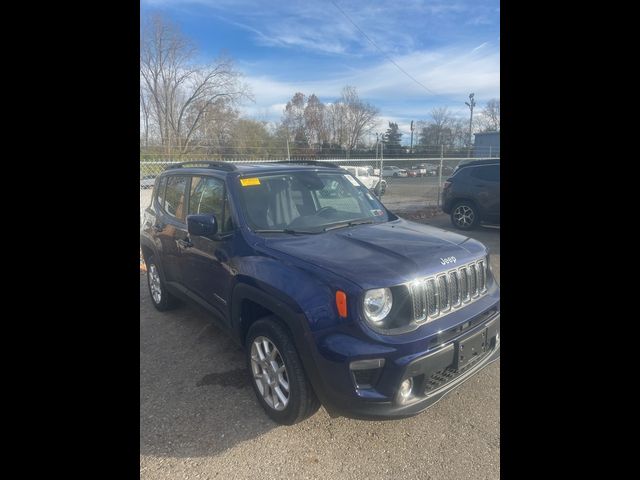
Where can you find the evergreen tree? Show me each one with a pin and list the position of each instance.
(392, 140)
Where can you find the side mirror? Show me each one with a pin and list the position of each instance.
(202, 225)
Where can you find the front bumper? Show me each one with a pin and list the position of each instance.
(434, 374)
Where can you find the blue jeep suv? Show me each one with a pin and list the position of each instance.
(336, 300)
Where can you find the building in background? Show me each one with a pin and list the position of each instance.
(486, 144)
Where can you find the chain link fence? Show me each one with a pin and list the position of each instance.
(406, 184)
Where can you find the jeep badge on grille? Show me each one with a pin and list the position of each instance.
(444, 261)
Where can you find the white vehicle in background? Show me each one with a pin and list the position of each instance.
(365, 174)
(418, 170)
(432, 170)
(147, 182)
(393, 171)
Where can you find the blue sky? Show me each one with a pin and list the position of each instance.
(451, 47)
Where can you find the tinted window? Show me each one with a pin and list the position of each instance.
(160, 190)
(174, 196)
(208, 197)
(490, 173)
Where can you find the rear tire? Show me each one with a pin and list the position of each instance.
(279, 381)
(465, 215)
(160, 297)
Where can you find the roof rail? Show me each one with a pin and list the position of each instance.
(483, 161)
(310, 162)
(226, 166)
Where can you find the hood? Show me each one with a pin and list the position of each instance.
(380, 255)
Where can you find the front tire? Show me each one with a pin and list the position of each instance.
(279, 381)
(160, 297)
(465, 215)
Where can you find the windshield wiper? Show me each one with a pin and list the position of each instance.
(352, 223)
(285, 230)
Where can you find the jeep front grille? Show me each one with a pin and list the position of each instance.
(432, 297)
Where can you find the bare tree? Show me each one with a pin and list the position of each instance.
(491, 116)
(335, 122)
(180, 91)
(438, 131)
(342, 124)
(293, 119)
(360, 117)
(144, 113)
(460, 133)
(314, 119)
(216, 128)
(441, 117)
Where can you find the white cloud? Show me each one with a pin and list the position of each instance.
(321, 27)
(407, 33)
(452, 73)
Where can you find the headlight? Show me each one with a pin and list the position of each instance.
(377, 305)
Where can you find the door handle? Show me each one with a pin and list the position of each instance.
(185, 242)
(158, 227)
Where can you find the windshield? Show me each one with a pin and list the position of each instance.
(307, 202)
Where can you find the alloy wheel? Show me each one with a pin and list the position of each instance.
(270, 373)
(464, 215)
(154, 283)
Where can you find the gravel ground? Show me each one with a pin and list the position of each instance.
(199, 418)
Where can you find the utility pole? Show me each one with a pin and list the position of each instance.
(412, 128)
(440, 174)
(471, 103)
(288, 155)
(381, 156)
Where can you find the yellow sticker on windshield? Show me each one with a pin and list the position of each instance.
(247, 182)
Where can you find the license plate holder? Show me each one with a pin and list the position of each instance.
(471, 348)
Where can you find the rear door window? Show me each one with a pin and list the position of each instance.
(175, 195)
(490, 173)
(162, 183)
(208, 197)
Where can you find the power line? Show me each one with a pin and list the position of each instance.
(382, 52)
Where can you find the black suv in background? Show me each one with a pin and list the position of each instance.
(472, 194)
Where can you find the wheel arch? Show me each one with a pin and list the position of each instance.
(147, 249)
(259, 303)
(456, 201)
(250, 303)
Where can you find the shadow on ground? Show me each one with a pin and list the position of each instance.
(195, 393)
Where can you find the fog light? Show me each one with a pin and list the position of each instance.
(406, 388)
